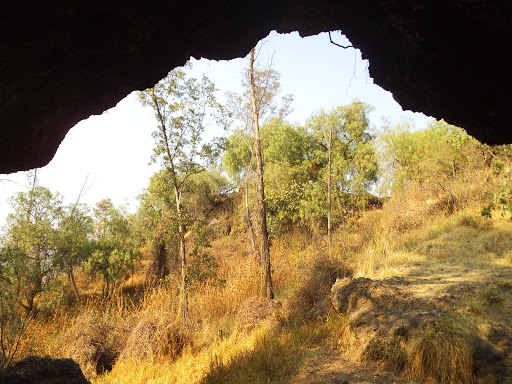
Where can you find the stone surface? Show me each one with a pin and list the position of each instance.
(63, 61)
(43, 370)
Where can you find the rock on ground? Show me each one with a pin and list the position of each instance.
(43, 370)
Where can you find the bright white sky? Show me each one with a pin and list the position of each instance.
(114, 148)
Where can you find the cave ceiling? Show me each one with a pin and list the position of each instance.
(64, 61)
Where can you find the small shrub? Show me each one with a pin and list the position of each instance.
(156, 336)
(97, 344)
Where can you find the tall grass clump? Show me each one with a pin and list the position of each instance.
(273, 360)
(389, 352)
(444, 351)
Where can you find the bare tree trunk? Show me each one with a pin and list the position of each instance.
(249, 223)
(183, 307)
(107, 288)
(266, 276)
(73, 283)
(329, 203)
(161, 265)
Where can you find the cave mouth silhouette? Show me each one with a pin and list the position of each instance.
(64, 62)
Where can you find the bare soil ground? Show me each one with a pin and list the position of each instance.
(328, 367)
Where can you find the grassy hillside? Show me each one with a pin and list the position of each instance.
(435, 303)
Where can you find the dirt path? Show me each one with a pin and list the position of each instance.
(327, 367)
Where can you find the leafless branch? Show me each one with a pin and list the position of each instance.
(81, 192)
(339, 45)
(14, 182)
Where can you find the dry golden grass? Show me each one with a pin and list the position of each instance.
(303, 272)
(227, 361)
(309, 300)
(389, 352)
(444, 351)
(263, 355)
(465, 237)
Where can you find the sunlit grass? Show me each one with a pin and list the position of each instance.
(303, 272)
(444, 351)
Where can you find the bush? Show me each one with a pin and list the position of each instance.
(156, 336)
(96, 345)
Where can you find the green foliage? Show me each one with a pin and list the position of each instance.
(72, 242)
(182, 108)
(113, 251)
(30, 241)
(296, 165)
(27, 259)
(502, 203)
(203, 266)
(284, 207)
(57, 295)
(237, 155)
(12, 317)
(429, 158)
(354, 160)
(202, 191)
(288, 152)
(156, 216)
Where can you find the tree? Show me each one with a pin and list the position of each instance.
(72, 241)
(430, 158)
(113, 251)
(287, 150)
(238, 163)
(157, 217)
(256, 105)
(12, 317)
(30, 239)
(345, 154)
(157, 224)
(183, 108)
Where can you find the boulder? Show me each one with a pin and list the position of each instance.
(43, 370)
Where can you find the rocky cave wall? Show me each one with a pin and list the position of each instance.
(63, 61)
